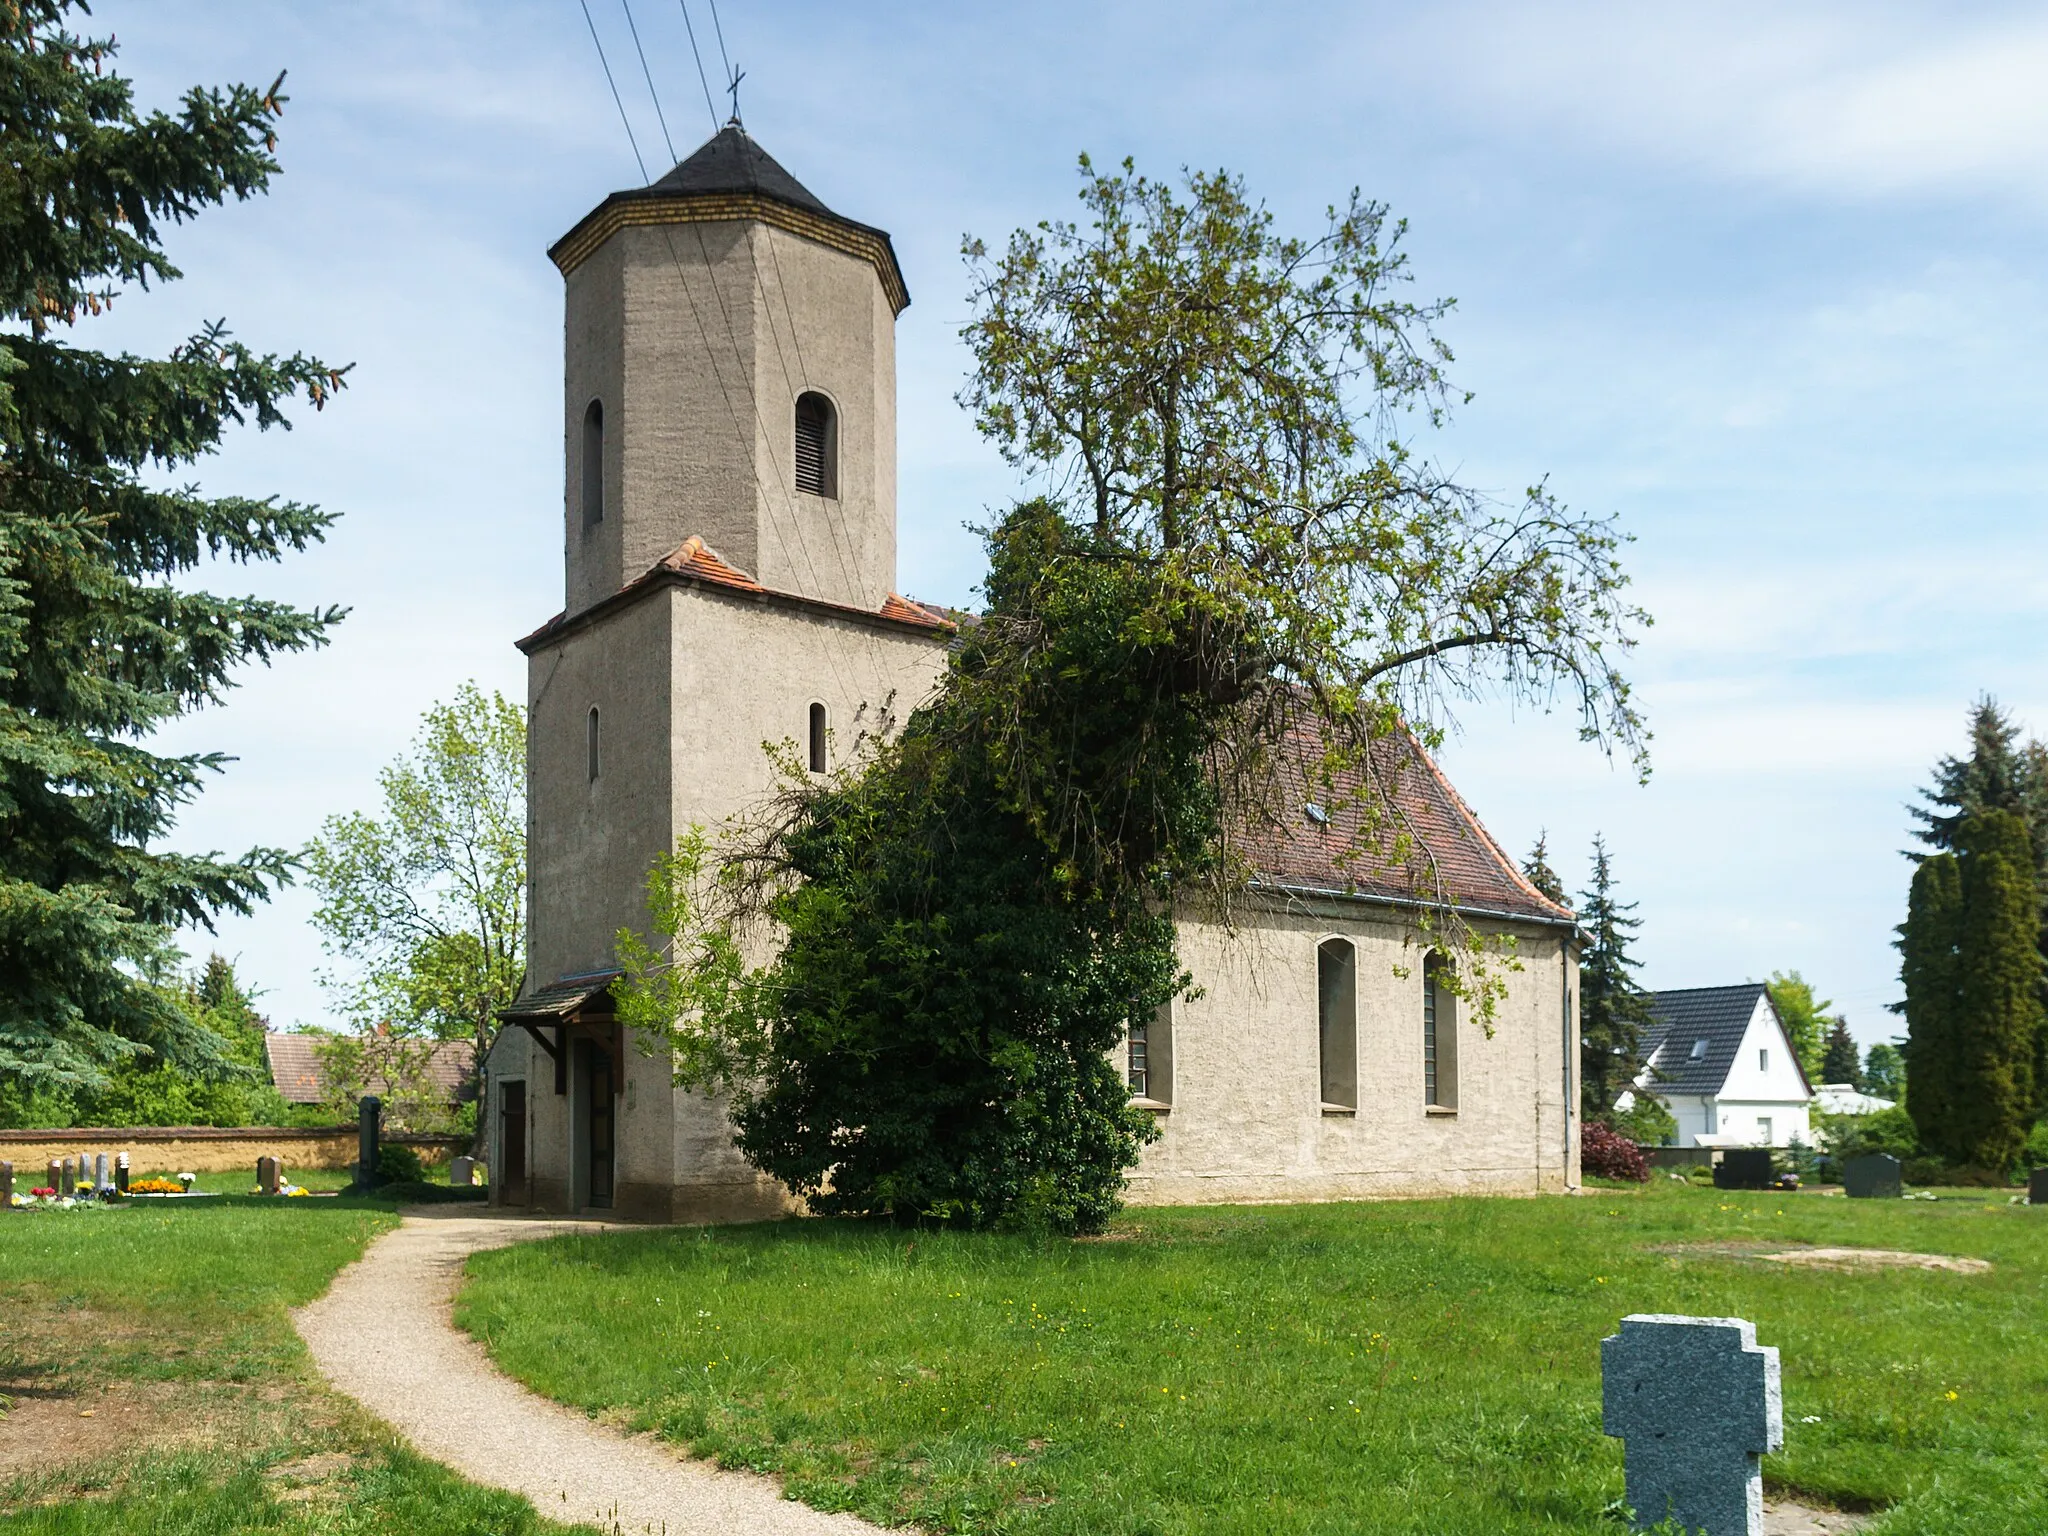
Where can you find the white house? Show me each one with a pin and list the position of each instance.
(1721, 1061)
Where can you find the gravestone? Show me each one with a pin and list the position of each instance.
(266, 1176)
(1744, 1168)
(120, 1173)
(53, 1176)
(6, 1186)
(63, 1181)
(368, 1116)
(1874, 1176)
(1697, 1403)
(462, 1172)
(102, 1181)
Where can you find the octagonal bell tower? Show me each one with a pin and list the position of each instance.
(729, 373)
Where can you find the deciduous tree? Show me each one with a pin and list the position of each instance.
(427, 902)
(100, 644)
(1804, 1016)
(1884, 1072)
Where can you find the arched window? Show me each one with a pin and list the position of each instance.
(593, 466)
(1439, 1037)
(1337, 1022)
(817, 446)
(590, 743)
(817, 738)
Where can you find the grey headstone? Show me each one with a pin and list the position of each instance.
(1744, 1168)
(65, 1174)
(2037, 1187)
(83, 1181)
(266, 1176)
(102, 1180)
(53, 1176)
(1874, 1176)
(6, 1186)
(1697, 1402)
(462, 1172)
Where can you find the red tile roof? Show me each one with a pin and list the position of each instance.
(693, 557)
(909, 612)
(1448, 856)
(295, 1067)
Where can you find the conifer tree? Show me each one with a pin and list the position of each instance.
(1839, 1060)
(1613, 1010)
(1998, 1004)
(98, 645)
(1929, 969)
(1537, 871)
(1884, 1072)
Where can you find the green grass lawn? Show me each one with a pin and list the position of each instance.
(1427, 1366)
(151, 1383)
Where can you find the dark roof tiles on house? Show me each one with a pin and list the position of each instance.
(1428, 847)
(1718, 1015)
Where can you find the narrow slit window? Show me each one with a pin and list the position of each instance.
(1763, 1061)
(1138, 1060)
(817, 446)
(590, 744)
(593, 464)
(817, 741)
(1439, 1038)
(1337, 1021)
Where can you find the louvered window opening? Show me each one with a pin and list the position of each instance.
(1140, 1076)
(814, 467)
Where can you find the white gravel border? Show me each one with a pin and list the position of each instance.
(385, 1335)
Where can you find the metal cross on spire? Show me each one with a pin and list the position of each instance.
(733, 90)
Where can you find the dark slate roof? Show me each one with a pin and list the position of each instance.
(730, 161)
(1718, 1015)
(1428, 848)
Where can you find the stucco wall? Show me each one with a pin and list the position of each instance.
(1247, 1120)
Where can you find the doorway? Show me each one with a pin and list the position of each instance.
(508, 1178)
(594, 1151)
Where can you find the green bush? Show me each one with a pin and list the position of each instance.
(399, 1165)
(1646, 1122)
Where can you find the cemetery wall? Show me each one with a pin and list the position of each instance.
(210, 1149)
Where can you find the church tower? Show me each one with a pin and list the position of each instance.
(730, 373)
(729, 561)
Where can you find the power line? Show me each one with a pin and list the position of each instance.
(709, 105)
(659, 116)
(720, 32)
(605, 64)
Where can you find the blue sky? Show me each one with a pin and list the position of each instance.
(1764, 280)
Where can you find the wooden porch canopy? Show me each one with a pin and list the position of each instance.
(583, 999)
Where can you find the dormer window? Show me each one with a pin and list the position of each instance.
(817, 446)
(1699, 1050)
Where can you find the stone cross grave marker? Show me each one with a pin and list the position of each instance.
(266, 1176)
(1874, 1176)
(1696, 1401)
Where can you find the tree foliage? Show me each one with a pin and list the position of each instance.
(1537, 871)
(99, 644)
(1884, 1072)
(1613, 1010)
(1839, 1059)
(1805, 1017)
(1930, 969)
(427, 902)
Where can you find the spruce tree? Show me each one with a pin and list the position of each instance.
(1998, 1004)
(1537, 871)
(1839, 1060)
(98, 644)
(1929, 970)
(1613, 1010)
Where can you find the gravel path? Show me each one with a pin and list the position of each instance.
(385, 1335)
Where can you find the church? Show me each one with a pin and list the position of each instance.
(729, 556)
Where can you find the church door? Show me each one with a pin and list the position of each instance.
(509, 1176)
(597, 1123)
